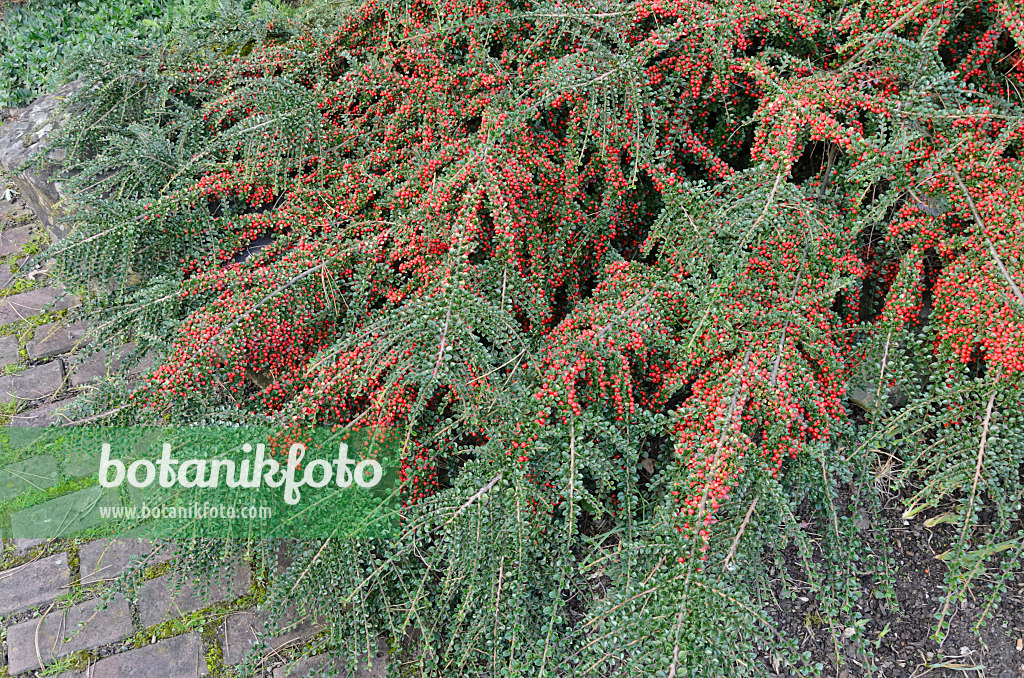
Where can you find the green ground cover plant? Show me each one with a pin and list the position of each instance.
(651, 290)
(37, 37)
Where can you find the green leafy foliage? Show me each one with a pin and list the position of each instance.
(644, 287)
(38, 37)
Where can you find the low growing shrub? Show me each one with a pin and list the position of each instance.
(619, 273)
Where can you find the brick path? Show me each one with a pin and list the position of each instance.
(58, 633)
(40, 628)
(52, 604)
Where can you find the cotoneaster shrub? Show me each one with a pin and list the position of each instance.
(617, 271)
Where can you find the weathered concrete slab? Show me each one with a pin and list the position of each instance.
(24, 545)
(55, 339)
(315, 666)
(65, 515)
(178, 657)
(9, 352)
(309, 666)
(103, 363)
(80, 461)
(106, 558)
(13, 240)
(18, 307)
(93, 368)
(26, 427)
(34, 383)
(242, 629)
(42, 416)
(33, 584)
(29, 475)
(159, 600)
(80, 627)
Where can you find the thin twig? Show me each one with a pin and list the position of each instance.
(35, 635)
(101, 415)
(988, 241)
(892, 27)
(833, 151)
(974, 492)
(782, 339)
(604, 330)
(703, 500)
(306, 569)
(736, 540)
(572, 470)
(881, 373)
(479, 493)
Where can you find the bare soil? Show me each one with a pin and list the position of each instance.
(898, 641)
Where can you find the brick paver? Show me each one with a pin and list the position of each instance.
(38, 417)
(34, 383)
(14, 240)
(178, 657)
(77, 628)
(56, 339)
(19, 307)
(106, 558)
(241, 629)
(316, 665)
(66, 514)
(35, 473)
(9, 352)
(33, 584)
(159, 601)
